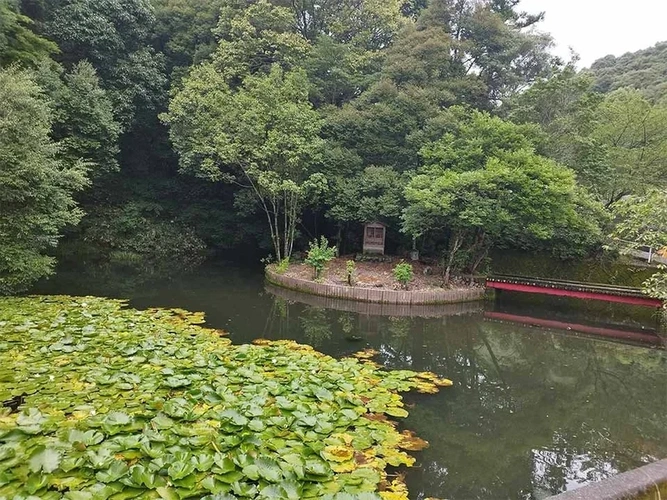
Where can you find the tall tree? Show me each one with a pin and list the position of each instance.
(483, 185)
(253, 37)
(616, 142)
(633, 134)
(114, 36)
(18, 42)
(367, 24)
(263, 135)
(83, 120)
(491, 42)
(36, 187)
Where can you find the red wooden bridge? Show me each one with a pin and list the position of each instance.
(574, 289)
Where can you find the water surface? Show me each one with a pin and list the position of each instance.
(533, 411)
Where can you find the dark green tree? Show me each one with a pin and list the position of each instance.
(36, 186)
(18, 42)
(83, 119)
(114, 36)
(184, 30)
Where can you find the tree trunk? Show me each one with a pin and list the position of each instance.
(454, 247)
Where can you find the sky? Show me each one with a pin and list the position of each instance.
(596, 28)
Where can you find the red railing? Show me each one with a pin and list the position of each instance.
(574, 289)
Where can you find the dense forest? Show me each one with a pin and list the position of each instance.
(645, 70)
(150, 135)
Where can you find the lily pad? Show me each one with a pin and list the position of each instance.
(124, 404)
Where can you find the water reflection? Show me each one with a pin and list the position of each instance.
(534, 410)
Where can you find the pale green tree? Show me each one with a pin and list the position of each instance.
(262, 136)
(617, 143)
(255, 36)
(18, 42)
(633, 134)
(642, 221)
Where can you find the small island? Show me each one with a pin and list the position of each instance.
(373, 281)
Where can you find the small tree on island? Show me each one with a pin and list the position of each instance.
(319, 254)
(350, 271)
(403, 274)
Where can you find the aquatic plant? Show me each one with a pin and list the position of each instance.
(102, 401)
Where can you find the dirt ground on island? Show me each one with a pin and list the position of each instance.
(376, 274)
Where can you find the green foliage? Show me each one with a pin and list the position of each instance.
(254, 37)
(263, 136)
(282, 266)
(633, 133)
(491, 37)
(138, 237)
(642, 220)
(483, 193)
(319, 254)
(84, 122)
(616, 143)
(36, 186)
(18, 42)
(338, 71)
(656, 285)
(350, 272)
(376, 193)
(193, 415)
(114, 36)
(643, 70)
(403, 273)
(469, 138)
(184, 30)
(365, 24)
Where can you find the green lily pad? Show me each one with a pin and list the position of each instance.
(124, 404)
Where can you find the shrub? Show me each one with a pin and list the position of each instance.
(282, 266)
(351, 270)
(403, 274)
(319, 254)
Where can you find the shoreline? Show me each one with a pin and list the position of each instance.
(378, 296)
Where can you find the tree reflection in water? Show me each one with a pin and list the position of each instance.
(533, 412)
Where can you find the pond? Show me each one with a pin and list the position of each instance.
(533, 412)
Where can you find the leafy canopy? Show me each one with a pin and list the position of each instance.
(18, 42)
(263, 136)
(36, 185)
(484, 185)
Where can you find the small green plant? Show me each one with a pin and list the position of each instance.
(403, 274)
(282, 266)
(319, 254)
(350, 271)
